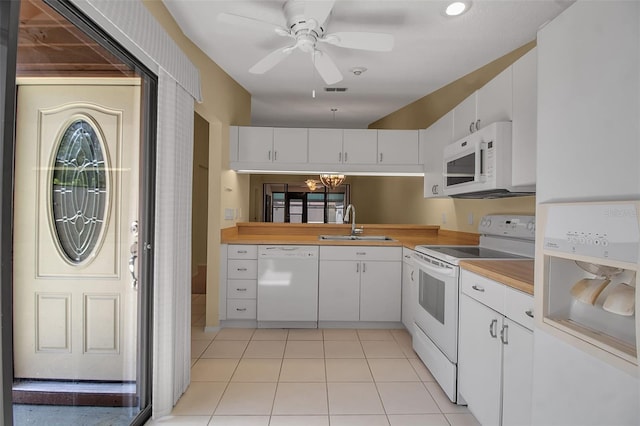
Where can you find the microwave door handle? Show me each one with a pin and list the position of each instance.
(480, 174)
(441, 271)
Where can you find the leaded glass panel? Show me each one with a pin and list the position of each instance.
(79, 191)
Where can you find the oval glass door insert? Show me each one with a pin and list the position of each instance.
(79, 191)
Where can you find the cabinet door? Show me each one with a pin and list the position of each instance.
(289, 145)
(464, 117)
(525, 118)
(398, 147)
(380, 291)
(255, 144)
(436, 137)
(494, 101)
(339, 290)
(325, 146)
(480, 360)
(409, 293)
(517, 375)
(360, 146)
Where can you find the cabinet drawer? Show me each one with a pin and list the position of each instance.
(516, 306)
(241, 309)
(483, 290)
(242, 251)
(241, 289)
(242, 269)
(360, 253)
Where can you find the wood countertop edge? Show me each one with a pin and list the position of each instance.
(516, 274)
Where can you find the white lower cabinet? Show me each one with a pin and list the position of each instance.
(409, 290)
(241, 282)
(495, 354)
(360, 283)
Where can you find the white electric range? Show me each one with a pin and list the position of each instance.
(435, 338)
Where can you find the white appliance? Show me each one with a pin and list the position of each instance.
(479, 165)
(588, 150)
(288, 286)
(435, 338)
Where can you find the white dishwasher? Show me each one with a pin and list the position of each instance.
(288, 286)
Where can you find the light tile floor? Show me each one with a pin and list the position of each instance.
(300, 377)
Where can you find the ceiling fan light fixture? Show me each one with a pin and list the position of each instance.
(456, 8)
(331, 181)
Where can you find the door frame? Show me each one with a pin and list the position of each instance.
(9, 13)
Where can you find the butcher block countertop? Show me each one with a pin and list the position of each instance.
(514, 273)
(308, 234)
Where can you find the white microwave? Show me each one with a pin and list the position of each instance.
(479, 165)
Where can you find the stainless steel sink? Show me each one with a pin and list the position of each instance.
(355, 238)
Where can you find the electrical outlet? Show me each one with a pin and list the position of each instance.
(444, 218)
(470, 219)
(228, 214)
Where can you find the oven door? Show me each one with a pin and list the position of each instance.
(437, 310)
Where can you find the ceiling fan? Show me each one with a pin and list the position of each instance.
(306, 22)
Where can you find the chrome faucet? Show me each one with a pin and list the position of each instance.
(352, 209)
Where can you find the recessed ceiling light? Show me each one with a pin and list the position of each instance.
(456, 8)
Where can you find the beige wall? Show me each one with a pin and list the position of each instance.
(400, 200)
(224, 103)
(199, 213)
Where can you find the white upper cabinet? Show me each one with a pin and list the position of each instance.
(435, 138)
(360, 146)
(289, 145)
(325, 146)
(464, 119)
(525, 119)
(272, 145)
(398, 147)
(255, 144)
(491, 103)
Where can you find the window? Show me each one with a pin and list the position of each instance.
(296, 203)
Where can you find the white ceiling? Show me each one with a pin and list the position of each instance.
(431, 50)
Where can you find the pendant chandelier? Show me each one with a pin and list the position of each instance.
(332, 181)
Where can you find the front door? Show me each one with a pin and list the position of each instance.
(75, 234)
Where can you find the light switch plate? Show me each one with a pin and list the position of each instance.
(229, 214)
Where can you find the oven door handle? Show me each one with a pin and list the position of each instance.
(450, 272)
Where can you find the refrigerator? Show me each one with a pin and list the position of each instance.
(588, 150)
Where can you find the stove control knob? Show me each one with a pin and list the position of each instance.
(531, 226)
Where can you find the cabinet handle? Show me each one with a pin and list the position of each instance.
(364, 268)
(242, 269)
(241, 252)
(340, 157)
(241, 309)
(529, 313)
(493, 328)
(275, 155)
(471, 127)
(412, 275)
(504, 337)
(269, 155)
(406, 256)
(434, 189)
(478, 124)
(241, 289)
(345, 156)
(358, 267)
(381, 157)
(477, 288)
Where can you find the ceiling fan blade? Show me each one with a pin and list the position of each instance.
(318, 10)
(271, 60)
(230, 18)
(377, 42)
(326, 67)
